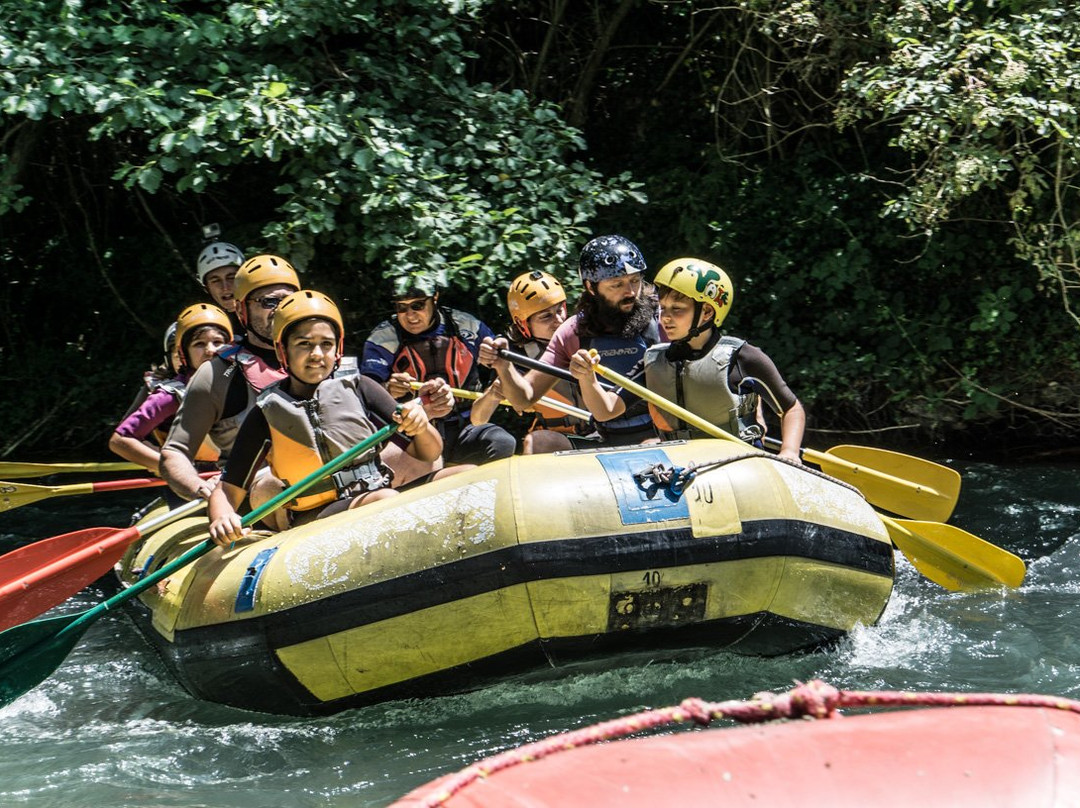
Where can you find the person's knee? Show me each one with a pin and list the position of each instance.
(264, 489)
(545, 441)
(450, 471)
(500, 443)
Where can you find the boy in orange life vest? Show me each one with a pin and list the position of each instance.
(201, 331)
(308, 419)
(222, 391)
(423, 341)
(719, 378)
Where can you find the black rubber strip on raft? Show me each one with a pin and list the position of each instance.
(550, 560)
(247, 674)
(201, 657)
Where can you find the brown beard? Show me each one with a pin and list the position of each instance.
(599, 318)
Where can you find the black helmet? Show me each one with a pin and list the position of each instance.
(609, 257)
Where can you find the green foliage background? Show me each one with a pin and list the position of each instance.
(891, 185)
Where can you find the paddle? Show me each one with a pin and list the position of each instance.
(899, 483)
(44, 574)
(553, 403)
(543, 367)
(947, 555)
(15, 495)
(19, 471)
(902, 484)
(30, 652)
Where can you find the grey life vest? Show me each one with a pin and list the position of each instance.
(701, 386)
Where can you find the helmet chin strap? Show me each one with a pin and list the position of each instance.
(702, 325)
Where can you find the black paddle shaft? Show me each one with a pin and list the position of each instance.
(544, 367)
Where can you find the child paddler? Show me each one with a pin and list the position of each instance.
(216, 268)
(719, 378)
(308, 419)
(201, 331)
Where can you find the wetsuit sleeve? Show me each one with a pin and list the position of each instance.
(484, 374)
(198, 413)
(752, 371)
(159, 406)
(249, 450)
(380, 348)
(380, 405)
(483, 330)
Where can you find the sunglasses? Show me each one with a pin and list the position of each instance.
(269, 303)
(416, 305)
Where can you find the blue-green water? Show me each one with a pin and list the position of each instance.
(111, 728)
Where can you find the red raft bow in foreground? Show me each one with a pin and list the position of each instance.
(986, 750)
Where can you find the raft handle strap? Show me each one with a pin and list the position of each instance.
(245, 598)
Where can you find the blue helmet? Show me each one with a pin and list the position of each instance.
(609, 257)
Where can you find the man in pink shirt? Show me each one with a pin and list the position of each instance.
(616, 315)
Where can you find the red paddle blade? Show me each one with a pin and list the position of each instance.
(44, 574)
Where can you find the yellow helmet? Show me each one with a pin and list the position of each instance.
(299, 306)
(257, 272)
(699, 280)
(195, 317)
(532, 292)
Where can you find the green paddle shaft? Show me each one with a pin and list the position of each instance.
(251, 518)
(30, 652)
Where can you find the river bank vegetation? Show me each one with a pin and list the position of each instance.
(892, 186)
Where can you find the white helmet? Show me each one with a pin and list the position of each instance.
(218, 254)
(170, 339)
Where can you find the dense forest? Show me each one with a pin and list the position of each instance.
(892, 185)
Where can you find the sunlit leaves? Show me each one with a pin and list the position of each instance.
(357, 114)
(985, 100)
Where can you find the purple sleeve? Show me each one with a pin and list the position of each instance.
(158, 407)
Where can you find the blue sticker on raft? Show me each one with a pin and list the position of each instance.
(642, 502)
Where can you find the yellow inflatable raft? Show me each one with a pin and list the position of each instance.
(518, 563)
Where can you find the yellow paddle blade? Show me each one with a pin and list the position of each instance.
(17, 471)
(897, 482)
(15, 495)
(954, 558)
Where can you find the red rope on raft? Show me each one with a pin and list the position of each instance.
(814, 699)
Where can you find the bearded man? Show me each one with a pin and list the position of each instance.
(616, 316)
